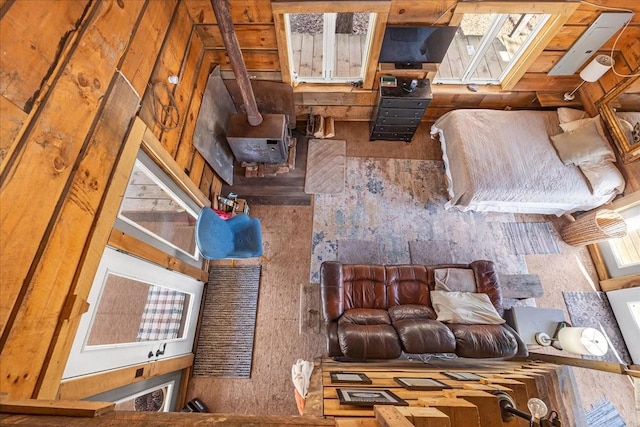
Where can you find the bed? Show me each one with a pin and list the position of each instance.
(505, 161)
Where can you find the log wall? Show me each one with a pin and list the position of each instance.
(254, 25)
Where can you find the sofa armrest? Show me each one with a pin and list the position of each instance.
(522, 346)
(488, 283)
(333, 344)
(331, 290)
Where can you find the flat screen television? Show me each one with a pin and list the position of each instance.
(410, 47)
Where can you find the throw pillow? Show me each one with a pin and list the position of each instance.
(604, 178)
(576, 124)
(583, 145)
(566, 115)
(455, 279)
(465, 307)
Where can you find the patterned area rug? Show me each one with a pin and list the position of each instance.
(531, 238)
(395, 201)
(592, 309)
(225, 343)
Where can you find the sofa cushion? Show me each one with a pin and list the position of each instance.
(455, 279)
(483, 341)
(411, 311)
(407, 284)
(364, 286)
(465, 307)
(359, 341)
(365, 316)
(425, 336)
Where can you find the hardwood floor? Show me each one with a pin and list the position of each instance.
(284, 286)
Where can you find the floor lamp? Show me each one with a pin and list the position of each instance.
(592, 73)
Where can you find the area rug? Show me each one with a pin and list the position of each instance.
(397, 201)
(531, 238)
(430, 252)
(592, 309)
(225, 342)
(603, 414)
(358, 252)
(325, 166)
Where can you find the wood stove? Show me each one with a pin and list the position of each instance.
(264, 143)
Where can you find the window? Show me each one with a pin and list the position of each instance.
(328, 47)
(486, 47)
(156, 211)
(622, 256)
(329, 42)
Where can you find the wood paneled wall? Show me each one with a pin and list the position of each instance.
(74, 75)
(256, 33)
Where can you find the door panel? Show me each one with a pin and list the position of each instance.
(138, 312)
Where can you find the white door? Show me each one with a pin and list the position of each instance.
(138, 312)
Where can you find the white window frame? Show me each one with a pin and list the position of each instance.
(485, 44)
(328, 51)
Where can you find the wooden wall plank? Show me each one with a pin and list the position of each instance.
(185, 149)
(53, 144)
(49, 287)
(169, 62)
(30, 47)
(254, 36)
(11, 120)
(183, 92)
(406, 12)
(69, 408)
(197, 168)
(141, 56)
(258, 60)
(242, 11)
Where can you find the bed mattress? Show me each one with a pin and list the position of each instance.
(504, 161)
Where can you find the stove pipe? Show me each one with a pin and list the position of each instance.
(221, 10)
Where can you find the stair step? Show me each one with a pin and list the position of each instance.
(390, 416)
(461, 413)
(486, 403)
(425, 417)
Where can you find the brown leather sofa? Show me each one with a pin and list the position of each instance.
(378, 312)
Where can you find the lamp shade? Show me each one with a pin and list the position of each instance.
(596, 68)
(583, 341)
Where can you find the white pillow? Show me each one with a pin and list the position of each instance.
(604, 178)
(455, 279)
(566, 115)
(583, 145)
(576, 124)
(465, 307)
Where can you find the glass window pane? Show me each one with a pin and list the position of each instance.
(131, 311)
(148, 206)
(465, 45)
(306, 50)
(350, 43)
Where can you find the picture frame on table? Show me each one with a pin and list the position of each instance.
(462, 376)
(368, 397)
(421, 384)
(349, 378)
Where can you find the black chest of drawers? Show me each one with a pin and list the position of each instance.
(399, 110)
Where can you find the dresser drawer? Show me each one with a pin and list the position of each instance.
(398, 121)
(394, 128)
(400, 112)
(404, 103)
(392, 136)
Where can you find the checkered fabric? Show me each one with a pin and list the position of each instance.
(162, 314)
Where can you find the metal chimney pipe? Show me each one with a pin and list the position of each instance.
(221, 10)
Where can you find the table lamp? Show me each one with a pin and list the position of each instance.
(589, 341)
(592, 73)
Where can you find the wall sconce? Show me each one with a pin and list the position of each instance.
(589, 341)
(592, 73)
